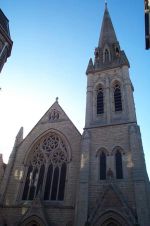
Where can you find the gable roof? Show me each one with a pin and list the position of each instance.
(55, 114)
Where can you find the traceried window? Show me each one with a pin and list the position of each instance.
(119, 170)
(47, 168)
(117, 98)
(102, 166)
(100, 101)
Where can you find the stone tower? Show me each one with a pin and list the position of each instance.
(114, 187)
(5, 40)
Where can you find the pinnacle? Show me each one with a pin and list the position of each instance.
(90, 66)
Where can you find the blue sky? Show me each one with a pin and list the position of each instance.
(53, 41)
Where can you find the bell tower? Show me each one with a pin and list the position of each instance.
(109, 88)
(114, 186)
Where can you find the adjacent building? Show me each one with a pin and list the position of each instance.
(5, 40)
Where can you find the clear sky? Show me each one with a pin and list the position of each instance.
(53, 41)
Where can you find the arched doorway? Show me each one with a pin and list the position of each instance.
(111, 218)
(111, 222)
(33, 221)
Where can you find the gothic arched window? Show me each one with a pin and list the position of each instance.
(117, 98)
(47, 168)
(102, 166)
(100, 101)
(119, 170)
(106, 55)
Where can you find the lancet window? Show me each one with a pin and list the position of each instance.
(47, 168)
(119, 170)
(106, 55)
(102, 166)
(117, 97)
(100, 101)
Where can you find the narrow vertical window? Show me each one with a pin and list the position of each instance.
(117, 98)
(106, 55)
(119, 171)
(102, 166)
(100, 101)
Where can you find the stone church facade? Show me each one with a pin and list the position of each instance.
(57, 177)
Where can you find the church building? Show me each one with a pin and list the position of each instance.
(58, 177)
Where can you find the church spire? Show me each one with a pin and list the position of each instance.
(107, 35)
(108, 54)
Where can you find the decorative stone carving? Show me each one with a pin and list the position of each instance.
(54, 115)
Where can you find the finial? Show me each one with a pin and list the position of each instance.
(57, 99)
(105, 3)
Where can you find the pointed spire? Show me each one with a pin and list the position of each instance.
(107, 34)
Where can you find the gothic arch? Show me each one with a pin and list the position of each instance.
(117, 95)
(33, 221)
(102, 163)
(111, 222)
(46, 167)
(115, 82)
(111, 217)
(118, 158)
(100, 150)
(116, 148)
(100, 100)
(41, 136)
(106, 54)
(99, 85)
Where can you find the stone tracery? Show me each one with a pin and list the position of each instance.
(48, 159)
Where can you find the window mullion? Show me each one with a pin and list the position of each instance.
(39, 168)
(30, 183)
